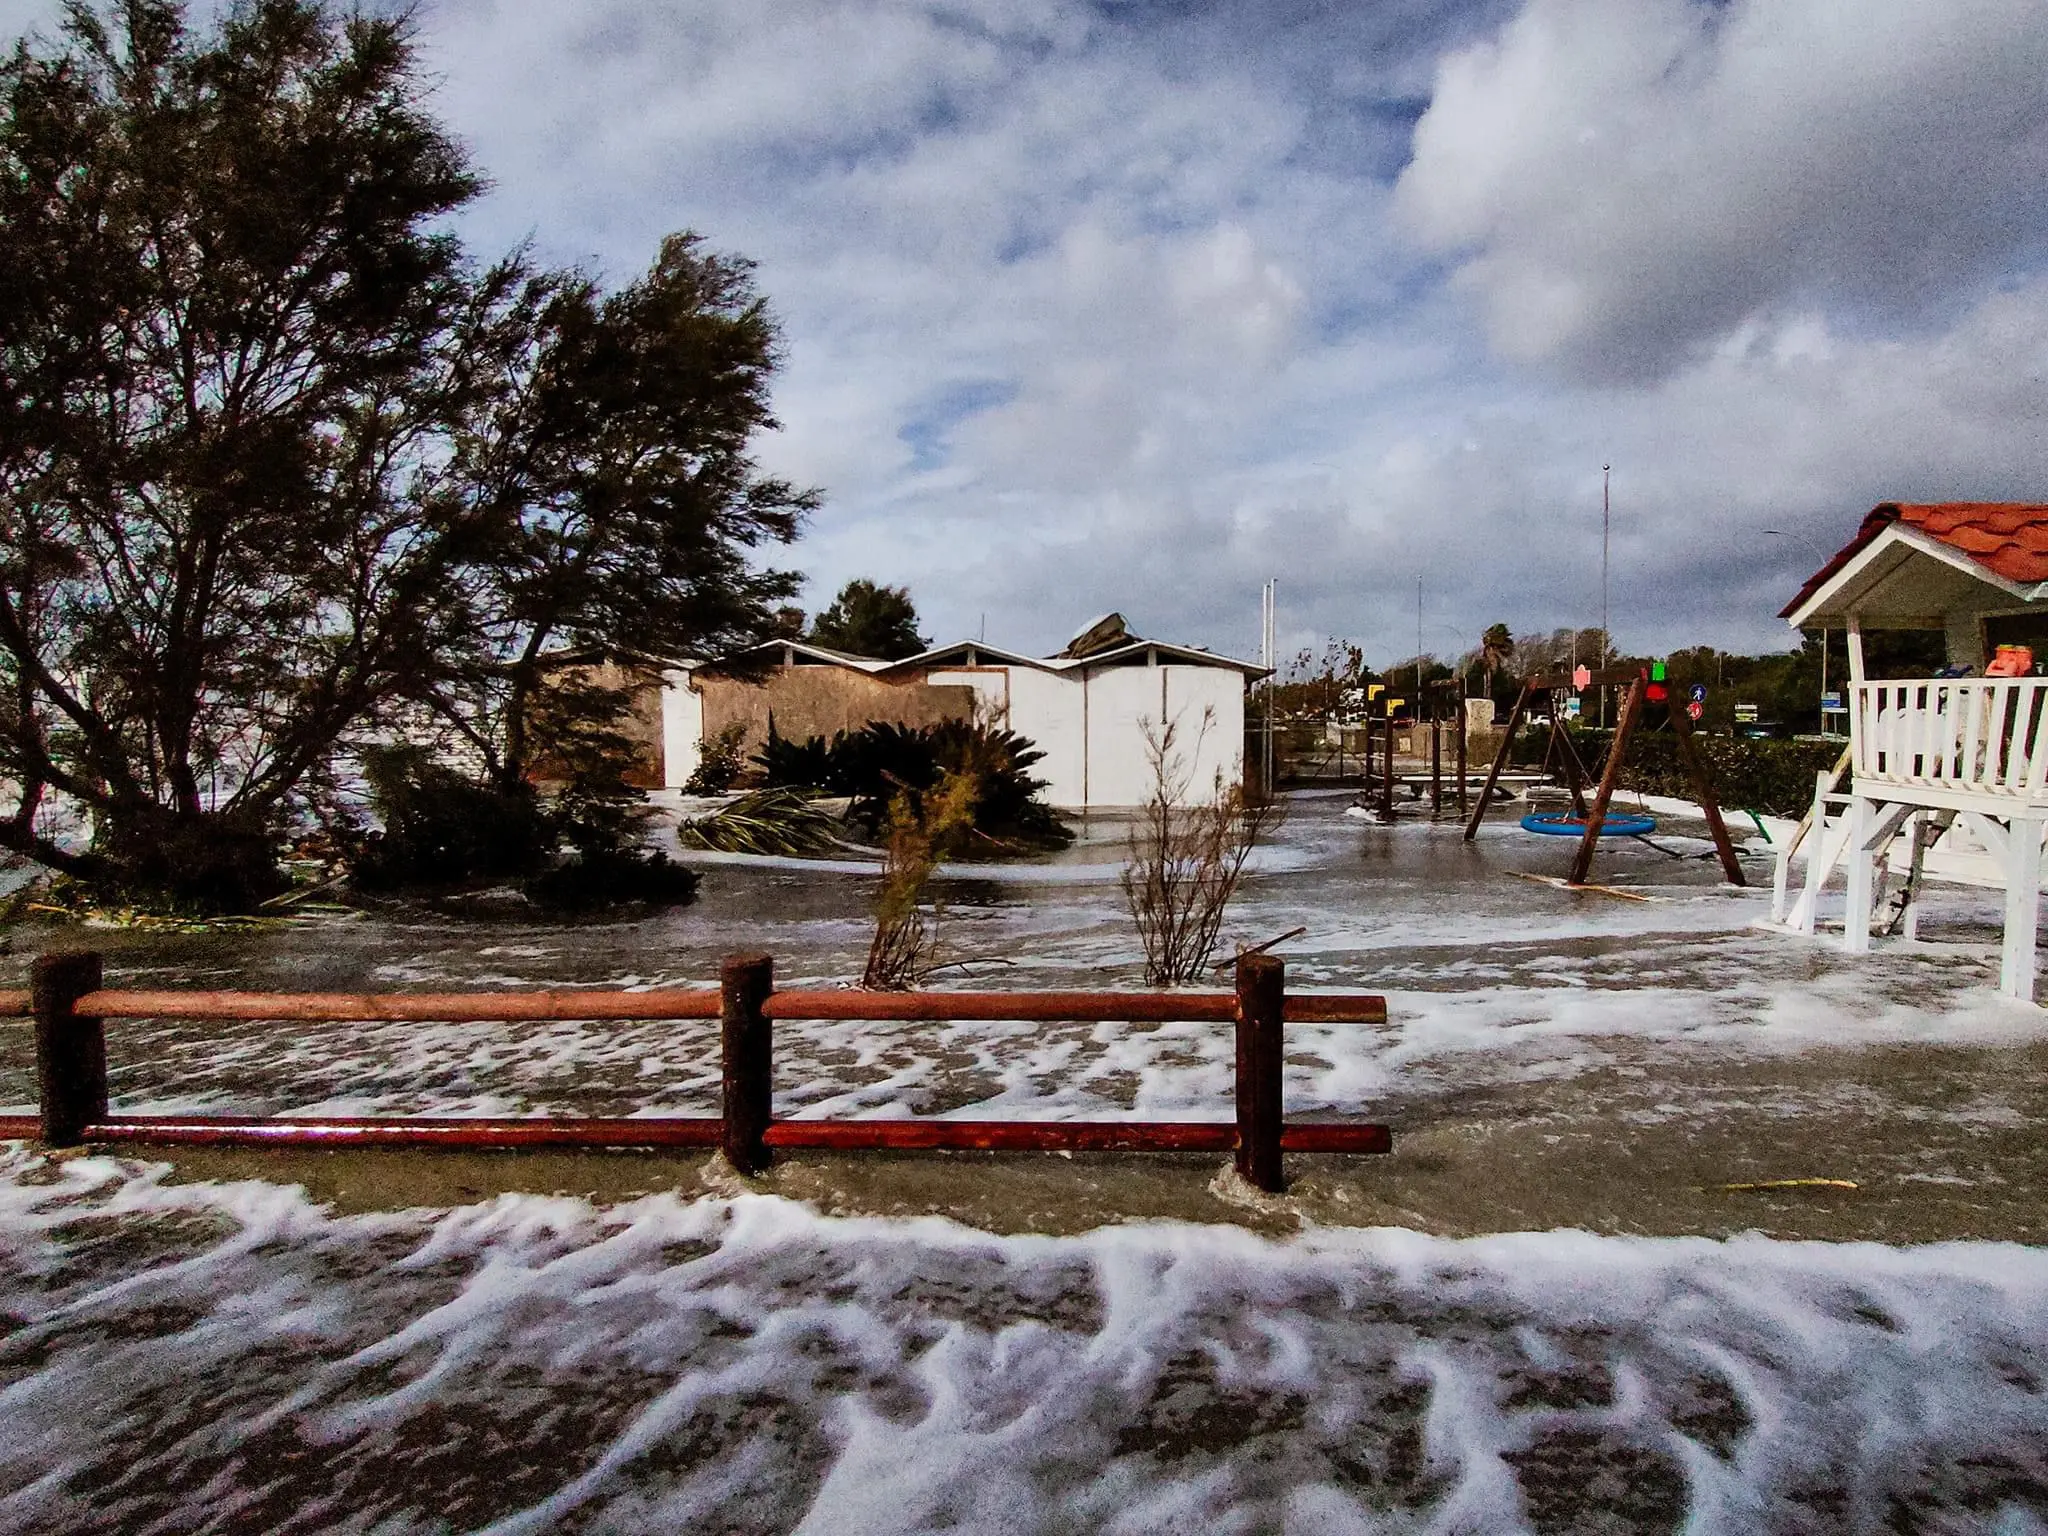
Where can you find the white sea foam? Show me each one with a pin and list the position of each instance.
(231, 1357)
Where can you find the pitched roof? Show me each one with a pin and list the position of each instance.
(2007, 538)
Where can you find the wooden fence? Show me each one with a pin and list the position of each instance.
(69, 1006)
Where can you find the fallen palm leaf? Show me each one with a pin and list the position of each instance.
(1755, 1186)
(773, 822)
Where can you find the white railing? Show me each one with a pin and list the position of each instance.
(1980, 736)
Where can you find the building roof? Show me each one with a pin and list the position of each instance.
(2009, 539)
(940, 656)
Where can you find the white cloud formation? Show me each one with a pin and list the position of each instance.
(1621, 181)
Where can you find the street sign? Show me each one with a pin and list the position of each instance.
(1832, 703)
(1745, 714)
(1699, 695)
(1571, 709)
(1582, 677)
(1696, 709)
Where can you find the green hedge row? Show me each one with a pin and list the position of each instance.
(1775, 777)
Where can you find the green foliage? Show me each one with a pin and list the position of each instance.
(870, 620)
(718, 763)
(874, 764)
(769, 821)
(442, 829)
(925, 826)
(1775, 777)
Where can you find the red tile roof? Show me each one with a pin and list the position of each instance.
(2009, 538)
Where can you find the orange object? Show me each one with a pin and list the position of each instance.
(2011, 661)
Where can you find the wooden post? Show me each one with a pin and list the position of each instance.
(2022, 908)
(1500, 758)
(1702, 786)
(744, 983)
(1464, 725)
(71, 1047)
(1261, 1002)
(1387, 773)
(1610, 775)
(1436, 766)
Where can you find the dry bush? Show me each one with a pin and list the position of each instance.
(924, 826)
(1185, 859)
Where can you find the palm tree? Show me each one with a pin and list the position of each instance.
(1495, 647)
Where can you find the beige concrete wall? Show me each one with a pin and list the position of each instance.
(822, 701)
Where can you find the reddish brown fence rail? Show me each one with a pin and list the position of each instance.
(70, 1006)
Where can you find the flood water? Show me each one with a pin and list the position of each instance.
(1545, 1311)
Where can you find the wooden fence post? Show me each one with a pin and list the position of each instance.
(71, 1047)
(748, 1043)
(1261, 1002)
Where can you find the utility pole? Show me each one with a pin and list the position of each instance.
(1418, 646)
(1605, 647)
(1269, 603)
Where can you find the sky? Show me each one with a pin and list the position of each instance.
(1120, 304)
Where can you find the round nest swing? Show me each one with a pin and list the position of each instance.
(1570, 824)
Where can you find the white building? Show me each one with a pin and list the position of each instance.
(1948, 776)
(1090, 709)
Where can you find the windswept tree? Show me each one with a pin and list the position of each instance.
(274, 454)
(624, 507)
(870, 620)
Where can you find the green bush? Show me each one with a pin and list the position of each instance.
(444, 832)
(873, 765)
(719, 763)
(1775, 777)
(442, 829)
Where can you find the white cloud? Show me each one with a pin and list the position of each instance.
(1623, 180)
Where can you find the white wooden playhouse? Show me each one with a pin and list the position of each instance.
(1946, 777)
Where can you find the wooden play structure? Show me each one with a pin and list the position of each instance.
(70, 1006)
(1946, 777)
(1594, 815)
(1439, 713)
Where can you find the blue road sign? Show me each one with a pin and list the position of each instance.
(1699, 693)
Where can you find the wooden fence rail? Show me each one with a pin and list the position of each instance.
(69, 1006)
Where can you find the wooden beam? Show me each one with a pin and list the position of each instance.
(1500, 759)
(1596, 814)
(1703, 791)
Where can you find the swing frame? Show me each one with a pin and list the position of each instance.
(1636, 681)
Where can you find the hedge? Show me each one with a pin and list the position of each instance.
(1775, 777)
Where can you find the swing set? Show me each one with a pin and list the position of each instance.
(1590, 821)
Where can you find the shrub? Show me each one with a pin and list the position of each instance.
(719, 764)
(925, 825)
(1775, 777)
(443, 829)
(1186, 860)
(875, 764)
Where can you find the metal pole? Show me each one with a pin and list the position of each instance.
(1605, 647)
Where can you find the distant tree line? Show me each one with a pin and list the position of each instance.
(1784, 686)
